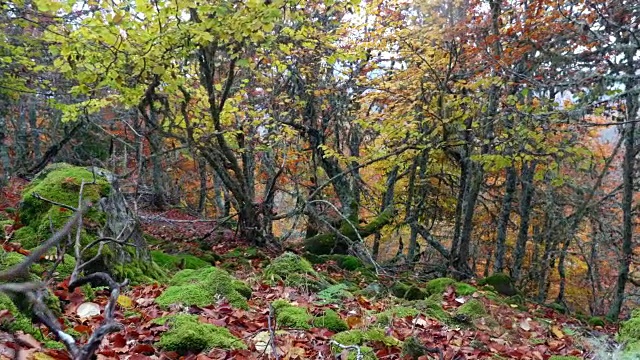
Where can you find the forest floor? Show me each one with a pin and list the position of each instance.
(505, 330)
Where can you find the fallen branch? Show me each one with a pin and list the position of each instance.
(349, 347)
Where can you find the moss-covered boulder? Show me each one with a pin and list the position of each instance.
(334, 294)
(501, 282)
(294, 271)
(440, 285)
(409, 292)
(179, 261)
(473, 309)
(364, 339)
(45, 208)
(291, 316)
(432, 308)
(187, 334)
(386, 317)
(330, 320)
(596, 321)
(202, 287)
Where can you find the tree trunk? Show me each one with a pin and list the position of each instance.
(627, 203)
(528, 171)
(5, 161)
(387, 201)
(503, 220)
(35, 133)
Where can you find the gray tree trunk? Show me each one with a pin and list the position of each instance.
(7, 170)
(528, 171)
(503, 220)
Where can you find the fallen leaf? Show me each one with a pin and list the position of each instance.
(557, 332)
(28, 340)
(125, 301)
(524, 324)
(88, 309)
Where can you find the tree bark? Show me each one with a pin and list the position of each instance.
(528, 171)
(503, 220)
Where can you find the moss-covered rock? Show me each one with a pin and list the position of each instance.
(350, 263)
(202, 287)
(409, 292)
(629, 330)
(438, 286)
(330, 320)
(501, 282)
(432, 308)
(596, 321)
(291, 316)
(60, 183)
(19, 322)
(179, 261)
(362, 337)
(187, 334)
(294, 271)
(473, 309)
(334, 294)
(387, 316)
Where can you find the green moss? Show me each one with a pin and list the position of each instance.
(334, 294)
(330, 320)
(362, 337)
(350, 263)
(65, 268)
(596, 321)
(180, 261)
(54, 345)
(432, 308)
(201, 287)
(464, 289)
(629, 330)
(292, 317)
(20, 321)
(409, 292)
(60, 183)
(294, 271)
(27, 237)
(386, 317)
(187, 334)
(501, 282)
(558, 307)
(472, 308)
(438, 286)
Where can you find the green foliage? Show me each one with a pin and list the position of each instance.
(202, 287)
(473, 309)
(294, 271)
(501, 282)
(187, 334)
(330, 320)
(334, 294)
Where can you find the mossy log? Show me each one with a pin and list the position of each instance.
(332, 243)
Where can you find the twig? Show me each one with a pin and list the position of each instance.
(65, 206)
(349, 347)
(272, 333)
(22, 268)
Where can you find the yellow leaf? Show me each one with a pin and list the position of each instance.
(557, 332)
(125, 301)
(354, 321)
